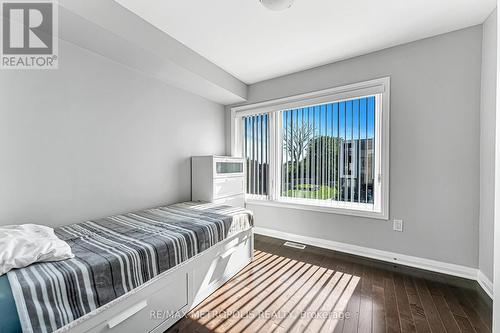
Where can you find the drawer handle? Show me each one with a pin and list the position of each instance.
(127, 314)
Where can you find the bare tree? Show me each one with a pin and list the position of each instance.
(296, 141)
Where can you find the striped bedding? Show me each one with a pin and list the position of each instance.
(114, 255)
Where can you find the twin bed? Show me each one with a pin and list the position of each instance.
(136, 272)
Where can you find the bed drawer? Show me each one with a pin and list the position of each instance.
(146, 312)
(230, 262)
(212, 274)
(225, 187)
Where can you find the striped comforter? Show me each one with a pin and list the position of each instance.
(114, 255)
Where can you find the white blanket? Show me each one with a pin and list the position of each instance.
(22, 245)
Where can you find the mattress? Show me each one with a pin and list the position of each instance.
(113, 256)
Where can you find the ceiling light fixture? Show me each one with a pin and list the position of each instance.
(277, 4)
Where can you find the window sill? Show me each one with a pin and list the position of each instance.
(317, 208)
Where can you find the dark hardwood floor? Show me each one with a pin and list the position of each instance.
(317, 290)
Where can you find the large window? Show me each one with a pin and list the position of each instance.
(325, 151)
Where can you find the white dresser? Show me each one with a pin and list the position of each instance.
(218, 179)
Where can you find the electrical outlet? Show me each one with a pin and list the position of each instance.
(397, 225)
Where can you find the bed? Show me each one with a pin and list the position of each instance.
(136, 272)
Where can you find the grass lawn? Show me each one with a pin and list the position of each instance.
(308, 191)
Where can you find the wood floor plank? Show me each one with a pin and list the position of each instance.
(451, 300)
(391, 307)
(290, 290)
(378, 277)
(267, 304)
(321, 306)
(350, 322)
(416, 308)
(255, 289)
(344, 267)
(378, 316)
(430, 310)
(365, 321)
(471, 313)
(264, 275)
(483, 309)
(300, 302)
(434, 288)
(405, 316)
(445, 313)
(464, 324)
(247, 302)
(346, 291)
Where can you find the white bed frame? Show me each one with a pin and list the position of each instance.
(159, 303)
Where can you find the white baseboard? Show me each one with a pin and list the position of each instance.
(485, 283)
(396, 258)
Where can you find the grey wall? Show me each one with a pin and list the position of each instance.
(96, 138)
(435, 101)
(487, 146)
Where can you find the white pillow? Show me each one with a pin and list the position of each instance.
(22, 245)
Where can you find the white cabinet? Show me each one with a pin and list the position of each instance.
(218, 179)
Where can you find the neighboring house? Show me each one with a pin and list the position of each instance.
(357, 168)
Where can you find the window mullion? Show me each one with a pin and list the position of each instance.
(277, 146)
(377, 181)
(274, 156)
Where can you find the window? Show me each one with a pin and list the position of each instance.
(256, 150)
(324, 151)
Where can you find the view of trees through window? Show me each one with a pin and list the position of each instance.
(327, 152)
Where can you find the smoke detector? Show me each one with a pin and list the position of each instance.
(277, 4)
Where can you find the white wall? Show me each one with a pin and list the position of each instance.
(128, 39)
(496, 255)
(96, 138)
(487, 146)
(435, 101)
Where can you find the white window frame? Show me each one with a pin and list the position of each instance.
(380, 88)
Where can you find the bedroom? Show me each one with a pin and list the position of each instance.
(374, 159)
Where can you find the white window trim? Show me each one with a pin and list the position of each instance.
(379, 87)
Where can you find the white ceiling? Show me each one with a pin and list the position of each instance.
(255, 44)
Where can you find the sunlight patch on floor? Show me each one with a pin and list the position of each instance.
(278, 294)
